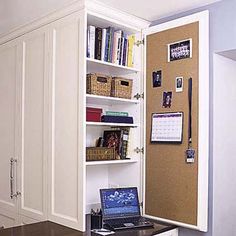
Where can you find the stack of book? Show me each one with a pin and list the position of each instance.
(117, 117)
(110, 45)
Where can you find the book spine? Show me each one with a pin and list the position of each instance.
(115, 47)
(124, 143)
(98, 43)
(118, 52)
(124, 52)
(88, 42)
(127, 48)
(119, 35)
(111, 44)
(131, 40)
(104, 32)
(121, 50)
(107, 43)
(92, 41)
(116, 113)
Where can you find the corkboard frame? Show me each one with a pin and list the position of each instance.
(203, 117)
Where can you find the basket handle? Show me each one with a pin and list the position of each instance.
(101, 79)
(124, 83)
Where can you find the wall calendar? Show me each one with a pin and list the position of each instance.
(167, 127)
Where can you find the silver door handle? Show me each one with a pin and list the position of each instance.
(12, 161)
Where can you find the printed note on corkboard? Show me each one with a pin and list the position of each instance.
(171, 184)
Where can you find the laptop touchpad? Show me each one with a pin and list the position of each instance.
(128, 224)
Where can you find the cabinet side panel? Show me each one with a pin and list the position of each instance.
(65, 159)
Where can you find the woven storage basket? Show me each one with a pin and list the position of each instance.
(100, 154)
(121, 87)
(99, 84)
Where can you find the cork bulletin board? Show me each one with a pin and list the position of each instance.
(172, 184)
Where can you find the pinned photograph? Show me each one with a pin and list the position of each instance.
(179, 82)
(156, 78)
(180, 50)
(167, 98)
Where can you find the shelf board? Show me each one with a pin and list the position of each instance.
(88, 123)
(97, 66)
(112, 162)
(103, 100)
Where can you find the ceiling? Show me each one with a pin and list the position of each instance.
(14, 13)
(155, 9)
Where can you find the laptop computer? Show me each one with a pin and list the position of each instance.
(120, 209)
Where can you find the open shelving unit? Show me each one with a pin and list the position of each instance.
(113, 173)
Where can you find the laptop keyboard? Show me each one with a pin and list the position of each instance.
(120, 221)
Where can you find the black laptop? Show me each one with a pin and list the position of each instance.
(120, 209)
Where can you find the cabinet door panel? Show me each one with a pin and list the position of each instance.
(176, 191)
(8, 130)
(33, 161)
(66, 168)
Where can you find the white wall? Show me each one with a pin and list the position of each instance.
(224, 146)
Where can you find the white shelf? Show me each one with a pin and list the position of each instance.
(112, 162)
(88, 123)
(97, 66)
(102, 100)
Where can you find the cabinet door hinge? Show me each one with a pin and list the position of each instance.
(139, 42)
(138, 96)
(139, 150)
(141, 204)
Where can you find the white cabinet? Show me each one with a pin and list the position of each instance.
(173, 232)
(43, 119)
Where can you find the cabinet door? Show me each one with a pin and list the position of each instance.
(34, 123)
(176, 191)
(9, 110)
(66, 174)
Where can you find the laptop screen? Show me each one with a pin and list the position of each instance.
(119, 202)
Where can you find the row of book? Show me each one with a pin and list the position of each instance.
(110, 45)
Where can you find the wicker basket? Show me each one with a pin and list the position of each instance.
(99, 84)
(100, 154)
(121, 87)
